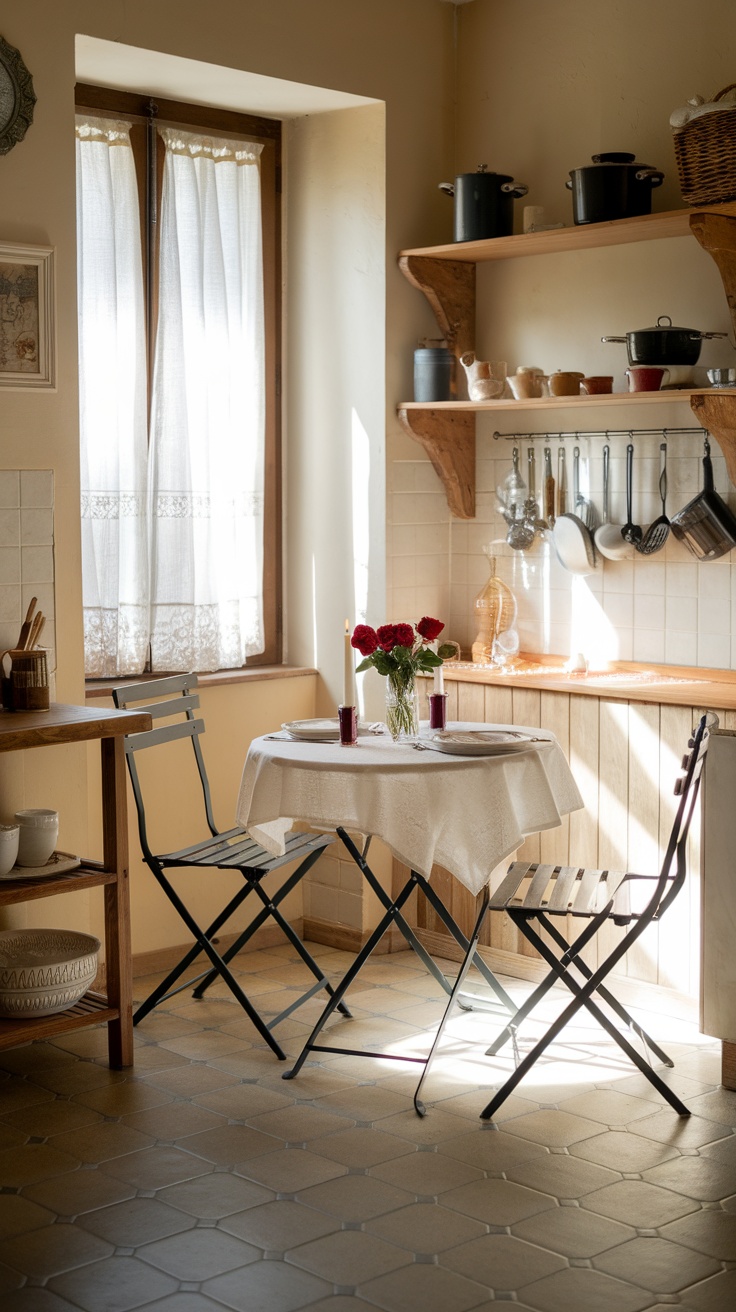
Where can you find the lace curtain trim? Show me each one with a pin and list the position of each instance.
(219, 149)
(106, 131)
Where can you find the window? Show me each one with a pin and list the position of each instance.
(179, 283)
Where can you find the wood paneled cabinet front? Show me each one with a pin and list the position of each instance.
(63, 724)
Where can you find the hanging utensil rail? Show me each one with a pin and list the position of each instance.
(604, 432)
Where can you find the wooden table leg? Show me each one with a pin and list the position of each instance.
(117, 901)
(728, 1065)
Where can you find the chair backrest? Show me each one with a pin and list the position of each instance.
(687, 786)
(163, 699)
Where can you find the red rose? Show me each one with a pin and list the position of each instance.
(404, 635)
(365, 639)
(429, 628)
(386, 635)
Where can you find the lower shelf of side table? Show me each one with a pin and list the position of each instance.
(92, 1009)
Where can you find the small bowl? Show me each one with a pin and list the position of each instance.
(39, 830)
(597, 385)
(8, 848)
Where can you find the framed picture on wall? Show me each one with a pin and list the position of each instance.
(27, 355)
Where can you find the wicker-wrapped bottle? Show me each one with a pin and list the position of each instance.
(495, 611)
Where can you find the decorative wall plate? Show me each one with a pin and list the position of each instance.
(17, 97)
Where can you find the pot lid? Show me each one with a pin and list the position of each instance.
(664, 324)
(614, 157)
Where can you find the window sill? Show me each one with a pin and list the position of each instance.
(255, 674)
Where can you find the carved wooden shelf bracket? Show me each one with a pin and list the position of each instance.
(716, 411)
(449, 286)
(448, 437)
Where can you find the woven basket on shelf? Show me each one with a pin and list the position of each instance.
(705, 150)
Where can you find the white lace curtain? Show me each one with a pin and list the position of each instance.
(201, 590)
(112, 399)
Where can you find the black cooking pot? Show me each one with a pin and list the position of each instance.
(614, 186)
(706, 525)
(484, 204)
(663, 344)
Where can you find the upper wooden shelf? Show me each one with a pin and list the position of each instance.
(581, 237)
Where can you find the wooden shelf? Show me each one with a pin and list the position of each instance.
(20, 730)
(581, 237)
(92, 1009)
(74, 881)
(508, 404)
(446, 276)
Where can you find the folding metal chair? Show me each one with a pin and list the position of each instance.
(537, 897)
(231, 849)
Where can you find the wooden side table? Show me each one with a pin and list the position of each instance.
(72, 724)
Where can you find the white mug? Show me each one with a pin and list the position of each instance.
(8, 848)
(38, 832)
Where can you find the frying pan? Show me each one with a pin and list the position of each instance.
(572, 538)
(706, 525)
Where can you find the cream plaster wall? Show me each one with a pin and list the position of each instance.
(396, 54)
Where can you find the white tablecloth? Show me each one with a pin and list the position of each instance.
(464, 813)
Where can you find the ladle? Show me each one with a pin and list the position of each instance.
(659, 530)
(531, 505)
(630, 532)
(549, 488)
(608, 538)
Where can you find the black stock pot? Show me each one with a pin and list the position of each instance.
(484, 204)
(614, 186)
(663, 344)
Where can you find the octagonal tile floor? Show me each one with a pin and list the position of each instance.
(199, 1180)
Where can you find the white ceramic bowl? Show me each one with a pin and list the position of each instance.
(39, 830)
(43, 971)
(8, 848)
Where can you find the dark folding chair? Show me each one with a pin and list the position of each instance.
(537, 897)
(232, 849)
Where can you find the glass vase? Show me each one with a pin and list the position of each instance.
(402, 707)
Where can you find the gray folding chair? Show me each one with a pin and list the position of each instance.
(537, 897)
(174, 700)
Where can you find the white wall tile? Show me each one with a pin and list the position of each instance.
(36, 527)
(714, 616)
(10, 604)
(37, 488)
(714, 650)
(37, 564)
(9, 487)
(9, 527)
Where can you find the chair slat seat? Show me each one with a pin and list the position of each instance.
(561, 898)
(230, 849)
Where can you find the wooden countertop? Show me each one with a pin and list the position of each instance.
(671, 685)
(65, 724)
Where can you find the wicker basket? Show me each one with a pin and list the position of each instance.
(705, 150)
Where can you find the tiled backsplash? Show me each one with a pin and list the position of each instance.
(26, 553)
(663, 608)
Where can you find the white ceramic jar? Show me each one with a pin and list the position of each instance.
(8, 848)
(39, 830)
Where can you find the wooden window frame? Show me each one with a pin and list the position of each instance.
(141, 111)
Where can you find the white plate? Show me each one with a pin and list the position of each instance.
(57, 864)
(482, 742)
(317, 730)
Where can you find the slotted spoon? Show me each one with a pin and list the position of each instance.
(658, 531)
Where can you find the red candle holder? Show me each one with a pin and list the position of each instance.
(437, 710)
(348, 717)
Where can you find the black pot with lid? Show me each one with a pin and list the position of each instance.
(664, 344)
(484, 204)
(614, 186)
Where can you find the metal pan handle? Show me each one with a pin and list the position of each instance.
(622, 340)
